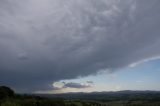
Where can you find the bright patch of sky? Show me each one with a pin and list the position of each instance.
(144, 76)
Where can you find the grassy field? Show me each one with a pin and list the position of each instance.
(45, 102)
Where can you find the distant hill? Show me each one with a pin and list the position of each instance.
(109, 96)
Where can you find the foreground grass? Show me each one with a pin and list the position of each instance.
(51, 102)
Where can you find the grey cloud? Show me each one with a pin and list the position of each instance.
(76, 85)
(22, 56)
(61, 39)
(87, 84)
(90, 82)
(64, 85)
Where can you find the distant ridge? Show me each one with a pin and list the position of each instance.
(107, 92)
(109, 96)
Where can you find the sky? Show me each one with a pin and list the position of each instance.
(58, 46)
(144, 76)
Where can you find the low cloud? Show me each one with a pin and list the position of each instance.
(78, 85)
(44, 41)
(64, 85)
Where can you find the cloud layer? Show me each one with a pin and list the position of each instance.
(65, 85)
(77, 85)
(42, 41)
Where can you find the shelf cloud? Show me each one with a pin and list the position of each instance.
(43, 41)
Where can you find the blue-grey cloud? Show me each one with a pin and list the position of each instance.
(42, 41)
(77, 85)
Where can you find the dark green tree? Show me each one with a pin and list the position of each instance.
(6, 92)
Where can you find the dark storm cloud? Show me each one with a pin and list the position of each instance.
(42, 41)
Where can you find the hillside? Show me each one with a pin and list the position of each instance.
(121, 98)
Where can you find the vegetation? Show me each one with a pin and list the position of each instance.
(125, 98)
(5, 92)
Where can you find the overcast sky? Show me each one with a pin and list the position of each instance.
(46, 43)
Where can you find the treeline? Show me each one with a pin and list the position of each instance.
(9, 98)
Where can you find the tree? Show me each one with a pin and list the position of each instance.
(6, 92)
